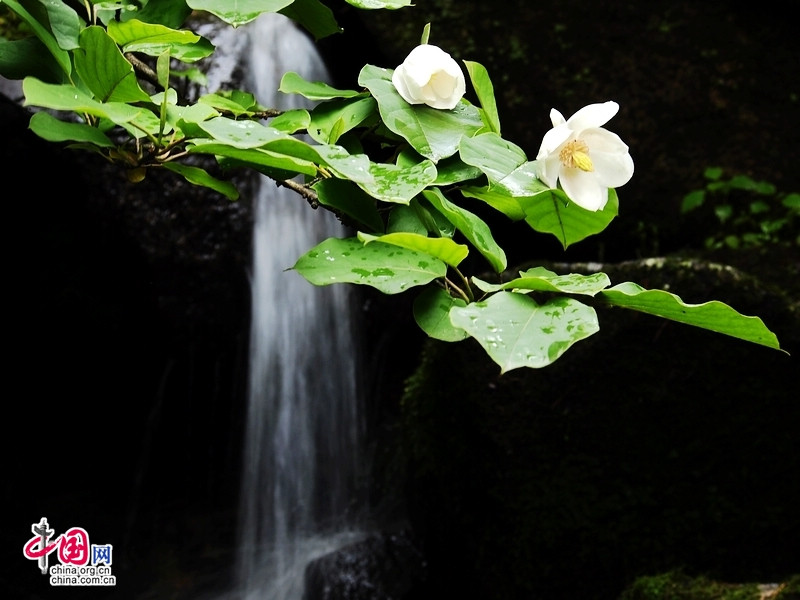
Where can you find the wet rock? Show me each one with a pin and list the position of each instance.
(386, 566)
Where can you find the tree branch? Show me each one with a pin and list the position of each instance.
(306, 192)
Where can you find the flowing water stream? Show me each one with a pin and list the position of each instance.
(303, 427)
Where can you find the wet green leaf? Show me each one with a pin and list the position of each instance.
(386, 267)
(238, 12)
(291, 121)
(330, 120)
(544, 280)
(241, 134)
(390, 183)
(444, 249)
(516, 332)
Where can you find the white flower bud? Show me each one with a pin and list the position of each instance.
(429, 75)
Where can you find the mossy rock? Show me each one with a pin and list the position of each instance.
(676, 585)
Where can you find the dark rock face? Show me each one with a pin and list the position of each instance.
(130, 307)
(647, 447)
(386, 566)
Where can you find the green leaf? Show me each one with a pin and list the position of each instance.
(314, 16)
(183, 117)
(199, 176)
(497, 199)
(504, 164)
(242, 134)
(61, 56)
(292, 83)
(713, 315)
(426, 34)
(162, 72)
(330, 120)
(453, 170)
(433, 133)
(238, 12)
(472, 227)
(552, 212)
(153, 39)
(347, 198)
(484, 89)
(407, 218)
(386, 267)
(517, 332)
(792, 201)
(68, 97)
(432, 314)
(170, 13)
(104, 70)
(376, 4)
(64, 23)
(276, 164)
(29, 57)
(390, 183)
(235, 104)
(291, 121)
(692, 200)
(51, 129)
(444, 249)
(544, 280)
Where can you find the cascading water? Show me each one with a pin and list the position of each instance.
(301, 448)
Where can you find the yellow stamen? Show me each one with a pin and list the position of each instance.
(575, 155)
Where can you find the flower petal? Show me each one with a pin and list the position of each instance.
(399, 82)
(603, 140)
(583, 188)
(548, 169)
(552, 140)
(613, 169)
(556, 118)
(594, 115)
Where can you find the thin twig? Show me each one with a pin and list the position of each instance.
(306, 192)
(144, 69)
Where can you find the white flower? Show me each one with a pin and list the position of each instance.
(429, 75)
(586, 158)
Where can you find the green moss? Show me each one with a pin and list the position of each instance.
(675, 585)
(790, 589)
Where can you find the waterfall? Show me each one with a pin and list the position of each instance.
(302, 432)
